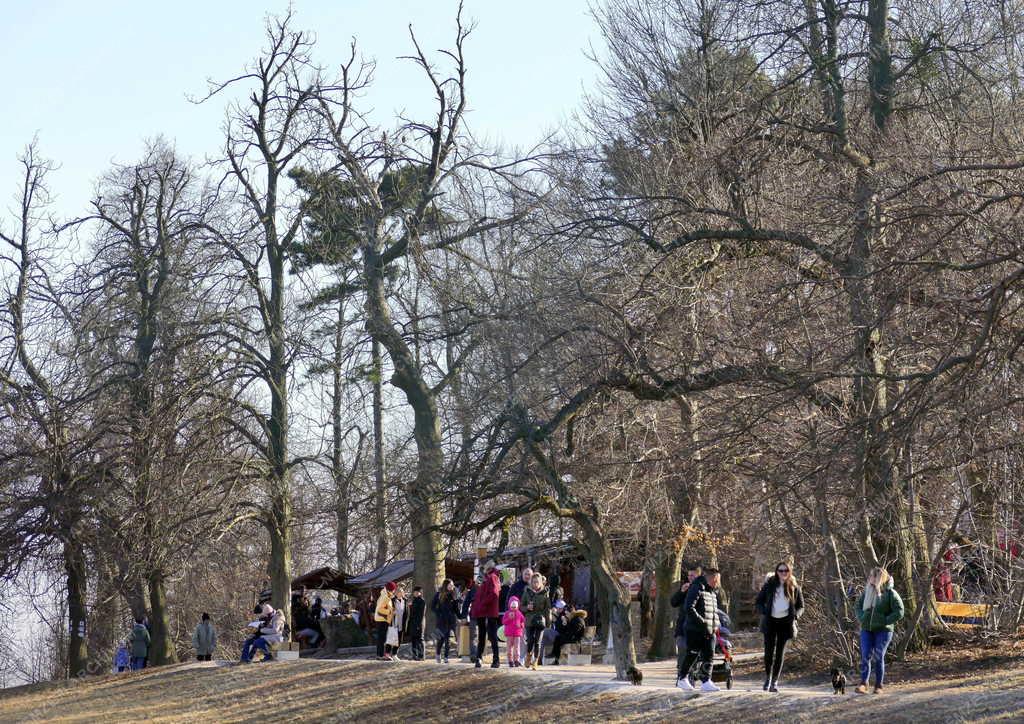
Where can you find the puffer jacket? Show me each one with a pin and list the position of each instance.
(572, 627)
(888, 609)
(384, 611)
(701, 608)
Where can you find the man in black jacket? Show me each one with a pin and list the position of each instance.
(701, 607)
(414, 622)
(570, 626)
(677, 601)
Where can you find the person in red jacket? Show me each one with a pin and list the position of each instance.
(485, 611)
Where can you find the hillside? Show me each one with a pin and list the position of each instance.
(375, 691)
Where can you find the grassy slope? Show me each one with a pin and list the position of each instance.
(378, 692)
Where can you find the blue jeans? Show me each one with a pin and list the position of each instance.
(872, 651)
(138, 663)
(250, 647)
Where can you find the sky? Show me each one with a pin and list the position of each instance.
(94, 80)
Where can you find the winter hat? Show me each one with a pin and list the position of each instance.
(559, 605)
(513, 602)
(391, 586)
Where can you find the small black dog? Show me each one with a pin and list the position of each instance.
(636, 677)
(838, 681)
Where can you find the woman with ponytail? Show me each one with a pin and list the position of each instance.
(780, 603)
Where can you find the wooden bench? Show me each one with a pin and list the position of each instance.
(970, 615)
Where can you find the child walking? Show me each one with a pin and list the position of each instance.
(514, 623)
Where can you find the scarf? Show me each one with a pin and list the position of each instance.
(871, 596)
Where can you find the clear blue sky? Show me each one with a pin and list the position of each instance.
(94, 79)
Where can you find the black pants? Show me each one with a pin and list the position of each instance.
(416, 644)
(560, 641)
(777, 634)
(699, 646)
(202, 657)
(534, 643)
(487, 628)
(444, 639)
(381, 634)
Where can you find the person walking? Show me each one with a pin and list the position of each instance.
(515, 624)
(415, 621)
(780, 603)
(140, 640)
(879, 608)
(485, 611)
(204, 639)
(518, 589)
(701, 625)
(536, 608)
(677, 601)
(122, 657)
(383, 613)
(446, 607)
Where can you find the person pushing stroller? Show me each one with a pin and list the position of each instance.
(702, 628)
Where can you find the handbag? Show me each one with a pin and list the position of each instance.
(392, 639)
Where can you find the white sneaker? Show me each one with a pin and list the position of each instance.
(684, 684)
(709, 686)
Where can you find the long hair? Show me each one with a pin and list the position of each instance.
(446, 593)
(881, 575)
(790, 585)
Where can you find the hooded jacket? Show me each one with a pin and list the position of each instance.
(273, 632)
(485, 604)
(514, 621)
(571, 627)
(888, 609)
(701, 608)
(766, 596)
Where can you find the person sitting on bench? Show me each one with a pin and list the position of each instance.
(570, 626)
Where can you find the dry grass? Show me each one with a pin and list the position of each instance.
(380, 692)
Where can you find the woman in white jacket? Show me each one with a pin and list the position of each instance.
(272, 632)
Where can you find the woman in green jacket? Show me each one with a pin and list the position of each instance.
(878, 608)
(536, 606)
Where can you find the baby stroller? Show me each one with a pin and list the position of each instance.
(721, 660)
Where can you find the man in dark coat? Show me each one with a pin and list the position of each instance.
(415, 622)
(677, 601)
(700, 627)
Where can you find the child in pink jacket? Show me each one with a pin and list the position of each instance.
(514, 623)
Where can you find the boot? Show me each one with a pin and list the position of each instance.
(529, 660)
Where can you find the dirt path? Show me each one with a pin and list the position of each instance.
(368, 691)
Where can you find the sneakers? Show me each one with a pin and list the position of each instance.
(774, 688)
(708, 686)
(862, 689)
(877, 690)
(684, 684)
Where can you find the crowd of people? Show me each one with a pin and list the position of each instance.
(780, 604)
(531, 613)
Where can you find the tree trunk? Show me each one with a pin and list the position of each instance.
(161, 649)
(380, 500)
(341, 479)
(76, 579)
(663, 640)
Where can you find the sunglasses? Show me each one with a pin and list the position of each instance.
(782, 570)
